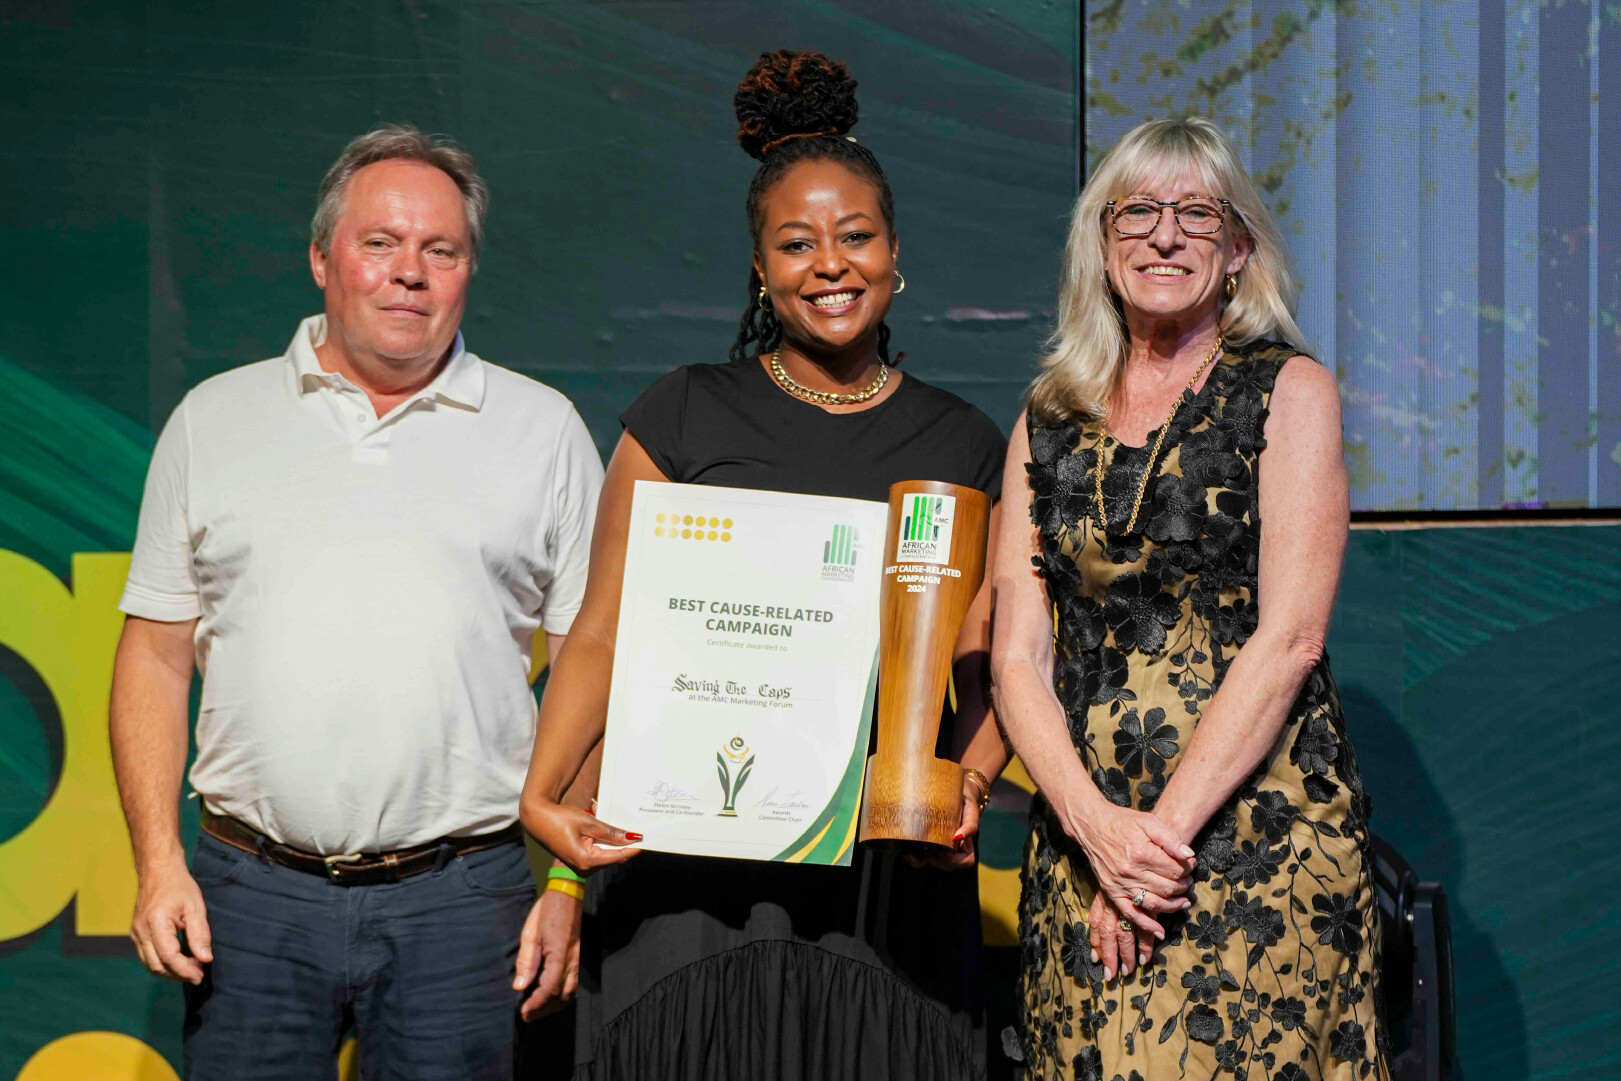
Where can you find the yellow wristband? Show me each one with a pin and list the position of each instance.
(563, 885)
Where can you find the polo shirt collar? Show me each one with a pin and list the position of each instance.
(460, 381)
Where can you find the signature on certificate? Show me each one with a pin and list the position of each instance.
(670, 793)
(789, 802)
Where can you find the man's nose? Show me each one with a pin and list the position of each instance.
(408, 269)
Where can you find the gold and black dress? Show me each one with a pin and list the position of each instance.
(1273, 974)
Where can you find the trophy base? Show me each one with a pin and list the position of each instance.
(911, 803)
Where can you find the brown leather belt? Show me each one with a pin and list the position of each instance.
(359, 870)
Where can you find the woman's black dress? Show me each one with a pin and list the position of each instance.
(703, 968)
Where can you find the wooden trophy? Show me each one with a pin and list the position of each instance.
(934, 561)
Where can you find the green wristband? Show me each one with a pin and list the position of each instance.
(565, 873)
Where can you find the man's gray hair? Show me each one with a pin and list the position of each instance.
(404, 142)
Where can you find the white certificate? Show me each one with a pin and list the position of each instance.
(744, 672)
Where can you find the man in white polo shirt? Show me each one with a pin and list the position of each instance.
(355, 543)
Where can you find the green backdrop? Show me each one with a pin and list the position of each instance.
(157, 185)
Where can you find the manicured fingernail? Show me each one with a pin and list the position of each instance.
(1142, 959)
(957, 836)
(633, 836)
(517, 985)
(1108, 973)
(1160, 935)
(1095, 957)
(1187, 853)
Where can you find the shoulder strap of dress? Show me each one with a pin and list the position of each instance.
(1257, 363)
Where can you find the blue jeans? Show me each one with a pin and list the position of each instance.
(421, 969)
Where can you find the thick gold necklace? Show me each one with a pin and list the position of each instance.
(823, 397)
(1153, 455)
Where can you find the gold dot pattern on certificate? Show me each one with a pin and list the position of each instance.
(702, 527)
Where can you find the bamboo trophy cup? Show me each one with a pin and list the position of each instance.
(934, 561)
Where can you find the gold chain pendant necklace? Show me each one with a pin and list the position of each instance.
(1153, 456)
(824, 397)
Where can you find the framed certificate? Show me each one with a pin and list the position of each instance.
(744, 672)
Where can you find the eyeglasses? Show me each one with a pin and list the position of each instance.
(1197, 215)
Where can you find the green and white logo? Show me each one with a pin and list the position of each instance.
(733, 762)
(926, 529)
(839, 554)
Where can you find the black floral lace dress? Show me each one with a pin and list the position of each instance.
(1274, 971)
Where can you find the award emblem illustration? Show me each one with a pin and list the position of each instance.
(733, 755)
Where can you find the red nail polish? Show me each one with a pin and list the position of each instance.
(632, 836)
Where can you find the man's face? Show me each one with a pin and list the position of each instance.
(401, 257)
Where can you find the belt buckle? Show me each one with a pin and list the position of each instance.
(334, 864)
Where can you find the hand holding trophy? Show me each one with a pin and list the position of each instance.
(934, 563)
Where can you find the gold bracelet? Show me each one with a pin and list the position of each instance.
(981, 782)
(562, 885)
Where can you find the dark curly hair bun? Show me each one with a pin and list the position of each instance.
(788, 94)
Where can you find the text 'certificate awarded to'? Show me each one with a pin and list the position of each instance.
(744, 672)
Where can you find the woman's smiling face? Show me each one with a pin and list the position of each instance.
(1168, 274)
(826, 256)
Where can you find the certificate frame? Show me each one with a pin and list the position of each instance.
(745, 671)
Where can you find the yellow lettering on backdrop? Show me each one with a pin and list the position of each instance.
(77, 849)
(537, 654)
(97, 1056)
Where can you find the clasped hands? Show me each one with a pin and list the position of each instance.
(1143, 870)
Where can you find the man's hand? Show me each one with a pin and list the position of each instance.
(550, 945)
(167, 902)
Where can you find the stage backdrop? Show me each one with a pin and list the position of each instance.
(1445, 173)
(158, 183)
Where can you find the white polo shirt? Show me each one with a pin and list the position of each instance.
(367, 590)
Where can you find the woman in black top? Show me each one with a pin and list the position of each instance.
(708, 968)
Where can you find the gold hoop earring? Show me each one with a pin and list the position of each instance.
(1231, 288)
(765, 304)
(901, 288)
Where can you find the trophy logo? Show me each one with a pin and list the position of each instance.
(733, 755)
(925, 529)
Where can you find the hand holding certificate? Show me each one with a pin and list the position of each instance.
(745, 667)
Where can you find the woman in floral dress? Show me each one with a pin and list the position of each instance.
(1197, 895)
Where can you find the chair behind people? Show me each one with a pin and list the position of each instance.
(1417, 968)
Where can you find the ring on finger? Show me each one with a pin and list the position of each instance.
(1137, 898)
(1127, 925)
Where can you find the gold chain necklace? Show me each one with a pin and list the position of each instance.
(824, 397)
(1153, 455)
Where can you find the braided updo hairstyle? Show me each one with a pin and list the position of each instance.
(794, 107)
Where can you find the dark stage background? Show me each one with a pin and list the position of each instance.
(157, 185)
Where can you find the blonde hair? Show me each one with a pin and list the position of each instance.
(1087, 352)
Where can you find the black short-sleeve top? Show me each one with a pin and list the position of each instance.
(730, 425)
